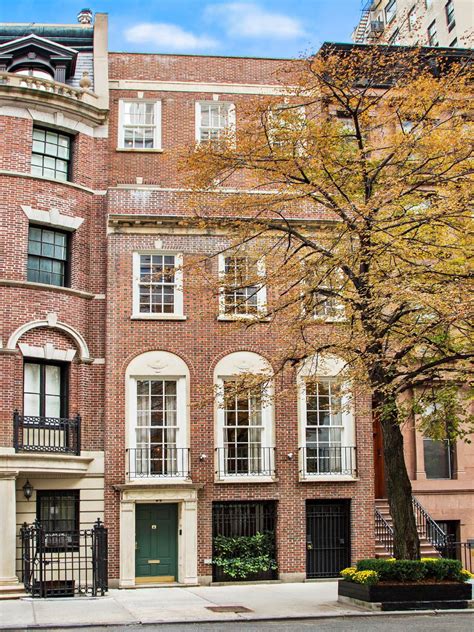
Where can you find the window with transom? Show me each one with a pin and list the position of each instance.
(242, 290)
(158, 285)
(213, 120)
(51, 154)
(140, 125)
(157, 427)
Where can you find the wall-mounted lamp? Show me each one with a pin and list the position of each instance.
(290, 456)
(202, 457)
(27, 490)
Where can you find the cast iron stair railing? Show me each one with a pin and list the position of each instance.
(429, 528)
(383, 532)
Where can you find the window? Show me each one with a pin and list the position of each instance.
(390, 11)
(286, 123)
(34, 71)
(140, 125)
(326, 306)
(428, 4)
(158, 289)
(244, 417)
(242, 293)
(326, 420)
(157, 428)
(449, 9)
(157, 416)
(47, 256)
(44, 390)
(438, 458)
(412, 17)
(213, 118)
(51, 154)
(454, 42)
(58, 512)
(432, 34)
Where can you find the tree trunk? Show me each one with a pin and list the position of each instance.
(406, 543)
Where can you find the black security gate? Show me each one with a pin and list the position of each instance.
(64, 564)
(234, 519)
(327, 537)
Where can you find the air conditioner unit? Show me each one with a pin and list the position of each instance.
(377, 26)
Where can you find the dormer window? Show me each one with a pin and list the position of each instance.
(36, 56)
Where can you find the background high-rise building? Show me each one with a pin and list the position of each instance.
(417, 22)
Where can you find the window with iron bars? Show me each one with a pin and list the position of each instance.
(58, 513)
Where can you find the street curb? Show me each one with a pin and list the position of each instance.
(248, 620)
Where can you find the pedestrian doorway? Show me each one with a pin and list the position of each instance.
(328, 548)
(156, 543)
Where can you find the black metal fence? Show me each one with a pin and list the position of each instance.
(233, 519)
(64, 564)
(46, 434)
(245, 460)
(462, 551)
(158, 461)
(427, 527)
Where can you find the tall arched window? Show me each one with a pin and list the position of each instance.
(157, 407)
(327, 433)
(245, 433)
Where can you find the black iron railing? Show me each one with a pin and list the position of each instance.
(64, 564)
(427, 527)
(46, 434)
(383, 532)
(158, 461)
(245, 460)
(462, 551)
(328, 460)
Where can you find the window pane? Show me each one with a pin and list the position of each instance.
(53, 380)
(437, 458)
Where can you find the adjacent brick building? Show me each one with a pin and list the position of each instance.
(112, 349)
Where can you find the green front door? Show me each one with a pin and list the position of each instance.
(156, 549)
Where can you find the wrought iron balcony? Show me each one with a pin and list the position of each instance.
(245, 461)
(328, 461)
(158, 461)
(46, 434)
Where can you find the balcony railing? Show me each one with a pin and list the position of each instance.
(46, 434)
(245, 461)
(157, 461)
(328, 461)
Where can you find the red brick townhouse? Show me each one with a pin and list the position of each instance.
(111, 352)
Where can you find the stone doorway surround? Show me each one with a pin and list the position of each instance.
(185, 496)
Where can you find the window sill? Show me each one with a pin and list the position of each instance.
(243, 318)
(61, 289)
(140, 151)
(328, 478)
(158, 317)
(246, 479)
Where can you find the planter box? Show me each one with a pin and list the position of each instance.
(436, 596)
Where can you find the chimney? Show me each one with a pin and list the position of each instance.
(84, 16)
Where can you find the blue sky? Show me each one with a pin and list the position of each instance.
(268, 28)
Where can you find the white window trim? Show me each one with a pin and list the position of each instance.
(178, 313)
(231, 119)
(227, 369)
(327, 368)
(158, 365)
(261, 292)
(273, 118)
(157, 134)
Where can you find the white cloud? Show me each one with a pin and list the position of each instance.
(168, 37)
(246, 19)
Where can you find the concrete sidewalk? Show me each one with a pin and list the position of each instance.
(182, 605)
(177, 604)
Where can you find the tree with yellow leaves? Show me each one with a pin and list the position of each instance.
(355, 189)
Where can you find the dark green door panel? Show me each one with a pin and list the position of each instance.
(156, 550)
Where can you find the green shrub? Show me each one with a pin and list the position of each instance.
(438, 569)
(242, 556)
